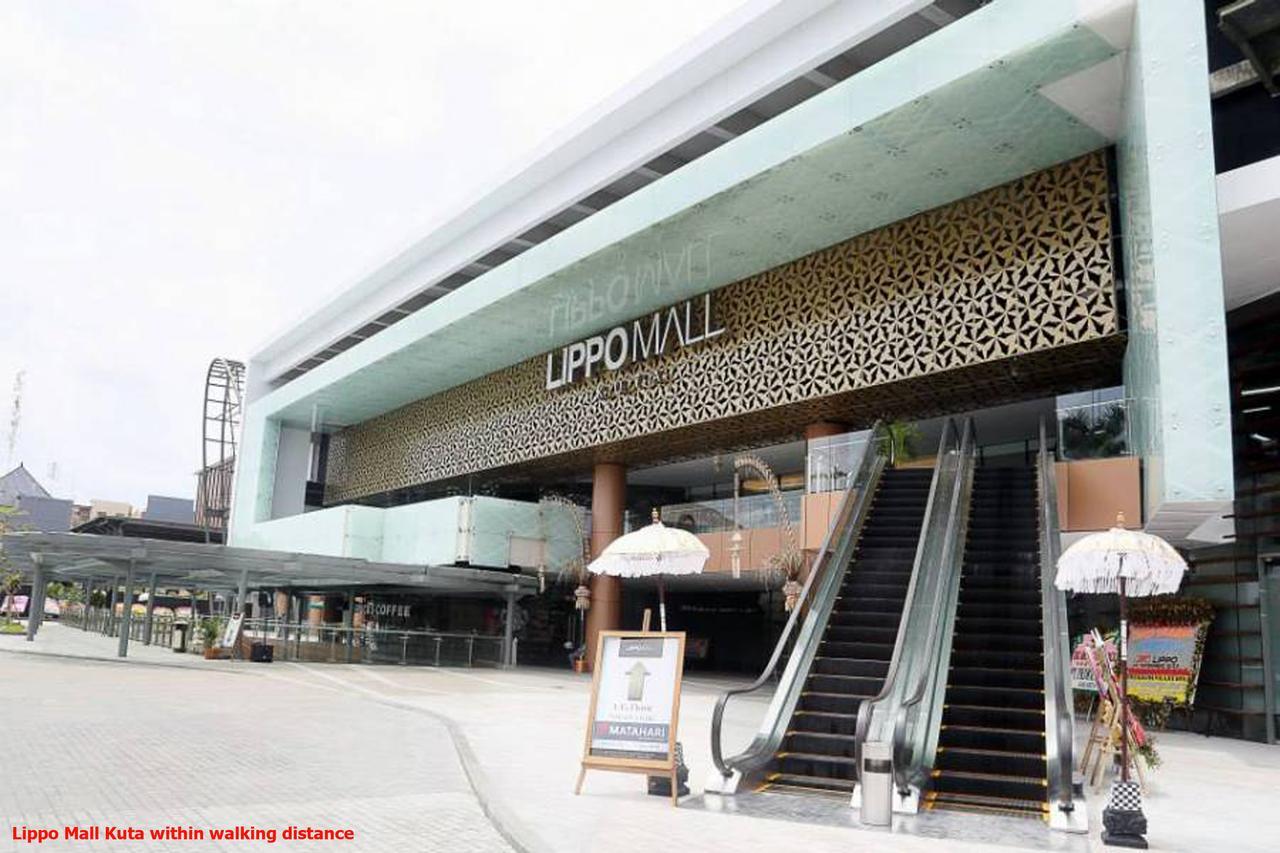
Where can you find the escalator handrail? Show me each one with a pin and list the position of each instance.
(952, 551)
(1059, 716)
(849, 519)
(867, 708)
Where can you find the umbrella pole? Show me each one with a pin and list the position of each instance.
(1124, 681)
(662, 604)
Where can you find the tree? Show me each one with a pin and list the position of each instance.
(10, 579)
(9, 583)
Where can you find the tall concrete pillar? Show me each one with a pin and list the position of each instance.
(608, 503)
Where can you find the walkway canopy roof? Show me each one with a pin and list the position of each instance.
(79, 557)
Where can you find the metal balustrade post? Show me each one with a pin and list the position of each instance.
(471, 650)
(439, 640)
(404, 649)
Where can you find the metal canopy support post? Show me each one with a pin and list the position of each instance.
(349, 622)
(126, 615)
(151, 607)
(509, 629)
(84, 605)
(111, 606)
(242, 593)
(35, 601)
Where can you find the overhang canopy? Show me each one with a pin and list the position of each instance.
(1001, 93)
(80, 557)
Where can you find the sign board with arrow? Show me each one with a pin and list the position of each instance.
(635, 704)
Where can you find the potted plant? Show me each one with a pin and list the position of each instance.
(902, 440)
(210, 631)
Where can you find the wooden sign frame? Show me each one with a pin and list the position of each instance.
(635, 765)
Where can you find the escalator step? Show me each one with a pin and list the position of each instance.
(866, 651)
(990, 784)
(985, 642)
(825, 722)
(994, 677)
(1002, 698)
(978, 804)
(1008, 658)
(850, 685)
(1004, 625)
(991, 737)
(816, 765)
(865, 668)
(991, 761)
(806, 784)
(875, 619)
(862, 634)
(840, 703)
(1024, 719)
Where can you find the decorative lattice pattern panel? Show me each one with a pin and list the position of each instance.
(1017, 271)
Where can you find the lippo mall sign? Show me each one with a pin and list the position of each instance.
(669, 329)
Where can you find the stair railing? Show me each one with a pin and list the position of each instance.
(1059, 713)
(917, 718)
(877, 712)
(808, 618)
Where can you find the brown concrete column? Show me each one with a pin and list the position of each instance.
(315, 610)
(608, 503)
(823, 429)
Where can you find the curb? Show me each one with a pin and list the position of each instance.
(503, 819)
(118, 660)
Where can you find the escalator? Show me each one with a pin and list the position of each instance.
(841, 641)
(991, 754)
(817, 752)
(978, 702)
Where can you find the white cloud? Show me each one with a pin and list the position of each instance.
(177, 180)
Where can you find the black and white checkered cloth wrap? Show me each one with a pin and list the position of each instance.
(1126, 796)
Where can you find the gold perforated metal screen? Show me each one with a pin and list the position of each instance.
(959, 307)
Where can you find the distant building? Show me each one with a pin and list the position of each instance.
(38, 510)
(161, 508)
(99, 508)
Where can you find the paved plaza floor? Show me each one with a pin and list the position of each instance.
(460, 760)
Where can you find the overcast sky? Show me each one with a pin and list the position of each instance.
(179, 180)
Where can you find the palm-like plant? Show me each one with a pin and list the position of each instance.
(1101, 436)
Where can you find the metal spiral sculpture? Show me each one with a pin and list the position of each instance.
(578, 565)
(223, 406)
(789, 560)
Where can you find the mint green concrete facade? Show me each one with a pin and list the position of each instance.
(957, 112)
(479, 531)
(1176, 366)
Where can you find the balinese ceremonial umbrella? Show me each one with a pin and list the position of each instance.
(654, 550)
(1126, 563)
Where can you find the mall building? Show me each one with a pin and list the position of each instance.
(770, 287)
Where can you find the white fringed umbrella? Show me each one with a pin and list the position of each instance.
(1098, 563)
(653, 551)
(1125, 563)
